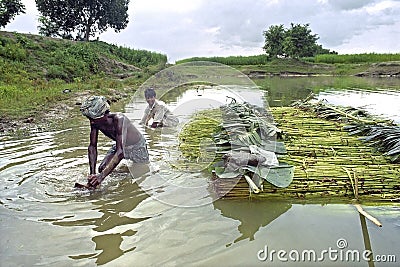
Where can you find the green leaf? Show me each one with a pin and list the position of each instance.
(279, 176)
(220, 171)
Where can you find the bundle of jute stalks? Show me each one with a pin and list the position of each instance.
(323, 160)
(330, 162)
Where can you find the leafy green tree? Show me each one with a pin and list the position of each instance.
(9, 9)
(300, 42)
(81, 19)
(296, 42)
(274, 38)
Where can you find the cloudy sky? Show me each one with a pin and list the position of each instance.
(187, 28)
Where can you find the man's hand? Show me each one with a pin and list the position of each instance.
(94, 180)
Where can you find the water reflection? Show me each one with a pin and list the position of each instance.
(384, 104)
(113, 233)
(252, 215)
(281, 91)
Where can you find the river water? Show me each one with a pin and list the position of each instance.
(156, 215)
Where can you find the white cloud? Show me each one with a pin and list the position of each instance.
(170, 6)
(349, 5)
(382, 7)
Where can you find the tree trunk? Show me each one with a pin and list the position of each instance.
(87, 33)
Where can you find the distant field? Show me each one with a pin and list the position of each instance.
(231, 60)
(356, 58)
(325, 58)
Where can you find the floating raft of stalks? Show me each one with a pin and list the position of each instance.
(329, 163)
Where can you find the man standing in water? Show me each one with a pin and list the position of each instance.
(161, 115)
(129, 142)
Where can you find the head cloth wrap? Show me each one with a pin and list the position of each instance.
(95, 107)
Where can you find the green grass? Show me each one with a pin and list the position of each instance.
(29, 97)
(231, 60)
(34, 70)
(356, 58)
(326, 64)
(323, 58)
(51, 58)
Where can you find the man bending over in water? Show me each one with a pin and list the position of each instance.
(129, 142)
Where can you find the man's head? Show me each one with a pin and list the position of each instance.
(150, 95)
(95, 107)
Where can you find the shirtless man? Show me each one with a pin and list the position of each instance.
(129, 142)
(161, 115)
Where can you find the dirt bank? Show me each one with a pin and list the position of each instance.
(61, 110)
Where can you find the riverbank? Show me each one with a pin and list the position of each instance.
(43, 79)
(52, 113)
(361, 65)
(290, 68)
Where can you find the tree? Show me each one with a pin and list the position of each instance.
(9, 9)
(300, 42)
(297, 41)
(81, 19)
(274, 37)
(321, 51)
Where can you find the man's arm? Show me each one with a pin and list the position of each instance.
(92, 149)
(146, 116)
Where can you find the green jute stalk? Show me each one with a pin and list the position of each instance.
(319, 150)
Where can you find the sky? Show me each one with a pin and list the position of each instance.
(188, 28)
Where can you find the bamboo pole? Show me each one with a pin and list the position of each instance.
(252, 185)
(367, 215)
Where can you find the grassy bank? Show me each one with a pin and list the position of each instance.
(371, 64)
(36, 71)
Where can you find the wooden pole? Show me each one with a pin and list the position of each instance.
(366, 215)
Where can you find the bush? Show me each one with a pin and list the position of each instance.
(57, 72)
(13, 52)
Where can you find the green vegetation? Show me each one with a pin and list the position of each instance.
(325, 58)
(295, 42)
(34, 70)
(355, 58)
(80, 20)
(332, 64)
(231, 60)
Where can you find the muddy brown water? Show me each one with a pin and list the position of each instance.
(157, 215)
